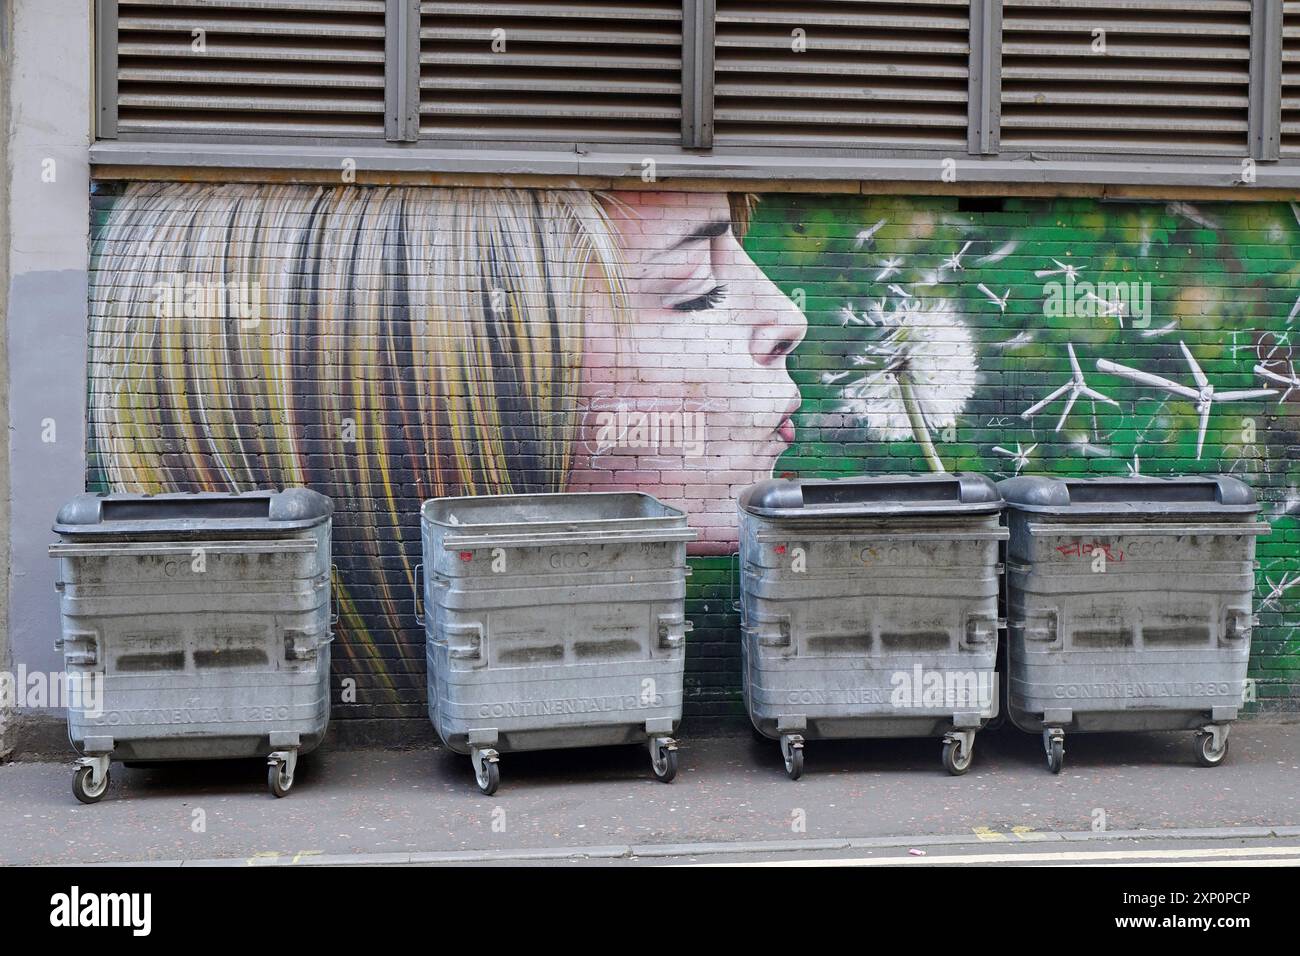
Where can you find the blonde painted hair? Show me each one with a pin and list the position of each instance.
(380, 344)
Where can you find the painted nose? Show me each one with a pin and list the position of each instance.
(779, 326)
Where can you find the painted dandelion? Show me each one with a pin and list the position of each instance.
(918, 372)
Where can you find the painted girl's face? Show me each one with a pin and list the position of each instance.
(688, 399)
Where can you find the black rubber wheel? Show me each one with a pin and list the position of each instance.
(490, 779)
(82, 788)
(794, 766)
(665, 767)
(1056, 755)
(953, 762)
(793, 757)
(279, 782)
(1206, 755)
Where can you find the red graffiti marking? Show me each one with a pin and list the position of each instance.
(1088, 549)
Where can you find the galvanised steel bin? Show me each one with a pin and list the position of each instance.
(1129, 606)
(869, 608)
(554, 620)
(200, 623)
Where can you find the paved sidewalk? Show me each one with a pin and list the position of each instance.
(730, 790)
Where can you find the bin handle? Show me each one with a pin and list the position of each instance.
(417, 595)
(733, 572)
(992, 534)
(463, 541)
(334, 606)
(1083, 530)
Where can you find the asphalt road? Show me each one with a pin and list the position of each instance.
(731, 802)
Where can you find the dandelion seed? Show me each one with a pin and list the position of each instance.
(1069, 271)
(888, 267)
(1191, 213)
(1088, 449)
(1107, 308)
(848, 317)
(866, 235)
(953, 262)
(1019, 457)
(1163, 330)
(1015, 342)
(1278, 589)
(1001, 301)
(998, 254)
(1294, 309)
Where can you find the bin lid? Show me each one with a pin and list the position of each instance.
(191, 514)
(527, 520)
(881, 496)
(1146, 497)
(556, 507)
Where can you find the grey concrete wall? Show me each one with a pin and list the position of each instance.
(48, 179)
(7, 735)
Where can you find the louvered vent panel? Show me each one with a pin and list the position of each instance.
(250, 67)
(558, 71)
(861, 73)
(1173, 75)
(1291, 78)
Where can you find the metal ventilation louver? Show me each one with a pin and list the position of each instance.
(1169, 76)
(554, 71)
(250, 67)
(1291, 78)
(851, 73)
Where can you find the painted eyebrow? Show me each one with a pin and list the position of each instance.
(704, 233)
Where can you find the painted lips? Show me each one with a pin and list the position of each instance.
(785, 429)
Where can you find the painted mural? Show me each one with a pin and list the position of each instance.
(386, 345)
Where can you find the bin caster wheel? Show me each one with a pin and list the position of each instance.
(1055, 754)
(1206, 755)
(279, 779)
(792, 754)
(955, 760)
(83, 787)
(487, 771)
(663, 758)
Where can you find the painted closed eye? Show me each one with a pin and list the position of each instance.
(710, 300)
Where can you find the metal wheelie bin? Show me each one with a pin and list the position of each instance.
(196, 626)
(1129, 606)
(552, 621)
(869, 608)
